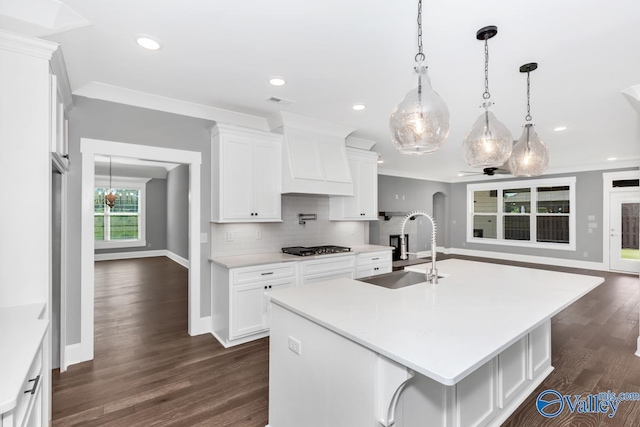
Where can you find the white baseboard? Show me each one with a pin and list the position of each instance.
(571, 263)
(142, 254)
(75, 353)
(177, 258)
(129, 255)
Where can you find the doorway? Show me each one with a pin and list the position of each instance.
(624, 252)
(89, 149)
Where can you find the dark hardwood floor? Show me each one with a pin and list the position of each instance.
(148, 371)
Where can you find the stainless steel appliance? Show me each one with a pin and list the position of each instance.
(314, 250)
(394, 240)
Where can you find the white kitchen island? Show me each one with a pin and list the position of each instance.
(472, 347)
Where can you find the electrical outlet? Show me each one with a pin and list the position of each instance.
(204, 237)
(258, 235)
(585, 254)
(396, 197)
(295, 345)
(229, 236)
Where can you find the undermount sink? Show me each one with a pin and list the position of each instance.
(396, 280)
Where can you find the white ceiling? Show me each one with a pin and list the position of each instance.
(335, 53)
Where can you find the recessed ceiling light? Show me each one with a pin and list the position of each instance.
(461, 174)
(359, 107)
(277, 81)
(147, 42)
(560, 128)
(380, 161)
(612, 159)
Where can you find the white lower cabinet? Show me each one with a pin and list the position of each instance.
(476, 397)
(250, 306)
(240, 307)
(328, 268)
(373, 263)
(239, 302)
(512, 371)
(358, 385)
(28, 409)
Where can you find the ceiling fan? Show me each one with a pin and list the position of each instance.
(502, 170)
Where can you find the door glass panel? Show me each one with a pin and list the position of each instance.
(484, 226)
(517, 200)
(485, 201)
(516, 227)
(629, 240)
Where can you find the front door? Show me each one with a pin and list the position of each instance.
(624, 254)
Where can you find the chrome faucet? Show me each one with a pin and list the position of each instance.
(432, 274)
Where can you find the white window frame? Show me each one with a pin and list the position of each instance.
(532, 184)
(139, 184)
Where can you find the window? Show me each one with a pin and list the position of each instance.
(534, 213)
(122, 225)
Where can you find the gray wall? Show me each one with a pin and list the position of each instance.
(177, 208)
(404, 195)
(588, 202)
(121, 123)
(155, 219)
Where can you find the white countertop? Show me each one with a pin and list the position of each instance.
(236, 261)
(443, 331)
(21, 333)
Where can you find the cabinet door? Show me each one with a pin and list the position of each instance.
(237, 178)
(247, 314)
(350, 204)
(266, 180)
(367, 190)
(281, 284)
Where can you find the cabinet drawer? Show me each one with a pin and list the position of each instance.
(262, 272)
(323, 277)
(32, 382)
(374, 258)
(327, 264)
(373, 270)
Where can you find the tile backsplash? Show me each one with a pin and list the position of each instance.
(250, 238)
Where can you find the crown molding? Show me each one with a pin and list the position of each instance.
(25, 45)
(121, 95)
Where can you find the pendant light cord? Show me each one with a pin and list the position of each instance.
(528, 116)
(110, 184)
(420, 55)
(486, 94)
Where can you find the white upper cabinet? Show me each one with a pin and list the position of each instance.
(245, 175)
(363, 205)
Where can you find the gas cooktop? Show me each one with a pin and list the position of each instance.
(314, 250)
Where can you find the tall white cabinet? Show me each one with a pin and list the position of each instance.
(28, 118)
(246, 175)
(363, 205)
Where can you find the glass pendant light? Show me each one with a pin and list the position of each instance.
(420, 123)
(488, 143)
(530, 156)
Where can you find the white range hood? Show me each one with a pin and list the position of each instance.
(314, 156)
